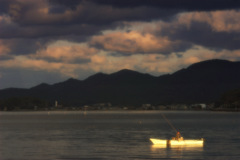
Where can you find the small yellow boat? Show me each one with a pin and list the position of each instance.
(178, 141)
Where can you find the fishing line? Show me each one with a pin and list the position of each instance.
(170, 124)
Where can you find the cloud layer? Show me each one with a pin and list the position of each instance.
(78, 38)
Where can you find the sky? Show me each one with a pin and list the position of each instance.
(53, 40)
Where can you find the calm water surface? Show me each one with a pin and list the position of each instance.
(116, 135)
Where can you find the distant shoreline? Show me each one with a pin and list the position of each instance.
(125, 110)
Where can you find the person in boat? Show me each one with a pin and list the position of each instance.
(178, 137)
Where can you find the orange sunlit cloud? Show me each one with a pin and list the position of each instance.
(220, 21)
(131, 42)
(3, 49)
(104, 62)
(66, 53)
(25, 62)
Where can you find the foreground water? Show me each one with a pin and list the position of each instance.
(116, 135)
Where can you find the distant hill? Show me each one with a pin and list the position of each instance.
(201, 82)
(229, 100)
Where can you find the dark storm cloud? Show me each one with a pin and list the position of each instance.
(31, 25)
(4, 5)
(29, 39)
(5, 57)
(190, 5)
(105, 11)
(60, 60)
(57, 9)
(38, 31)
(23, 46)
(29, 21)
(108, 11)
(68, 4)
(26, 14)
(88, 17)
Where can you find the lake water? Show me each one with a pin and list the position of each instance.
(116, 135)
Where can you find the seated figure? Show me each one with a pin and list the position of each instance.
(178, 137)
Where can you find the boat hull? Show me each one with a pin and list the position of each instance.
(165, 142)
(159, 141)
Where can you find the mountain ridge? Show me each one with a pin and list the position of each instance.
(202, 82)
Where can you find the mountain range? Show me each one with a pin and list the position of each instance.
(202, 82)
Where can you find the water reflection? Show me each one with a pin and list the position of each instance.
(187, 148)
(115, 135)
(177, 151)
